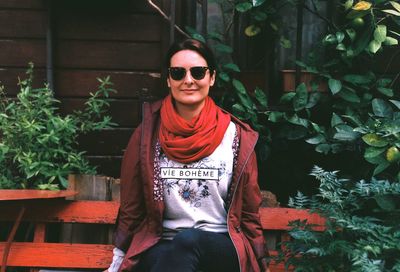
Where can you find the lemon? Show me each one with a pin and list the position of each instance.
(393, 154)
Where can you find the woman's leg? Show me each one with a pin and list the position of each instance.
(191, 250)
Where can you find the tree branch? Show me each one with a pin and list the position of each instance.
(158, 9)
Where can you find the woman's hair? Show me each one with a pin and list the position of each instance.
(194, 45)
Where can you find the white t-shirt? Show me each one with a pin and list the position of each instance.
(195, 193)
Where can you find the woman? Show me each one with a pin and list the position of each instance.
(189, 193)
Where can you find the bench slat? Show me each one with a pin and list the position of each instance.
(59, 255)
(96, 212)
(278, 218)
(105, 212)
(63, 255)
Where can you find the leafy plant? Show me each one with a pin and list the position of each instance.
(38, 146)
(360, 112)
(362, 228)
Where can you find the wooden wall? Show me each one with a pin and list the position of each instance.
(124, 39)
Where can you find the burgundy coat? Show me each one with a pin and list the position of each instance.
(139, 223)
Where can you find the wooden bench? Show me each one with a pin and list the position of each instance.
(41, 254)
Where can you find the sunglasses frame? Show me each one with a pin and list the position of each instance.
(203, 68)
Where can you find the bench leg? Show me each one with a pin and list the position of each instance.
(10, 238)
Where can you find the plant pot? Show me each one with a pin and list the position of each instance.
(289, 81)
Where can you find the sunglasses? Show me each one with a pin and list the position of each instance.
(178, 73)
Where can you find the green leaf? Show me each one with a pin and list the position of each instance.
(261, 97)
(285, 43)
(224, 76)
(239, 86)
(336, 120)
(395, 5)
(381, 167)
(380, 33)
(246, 101)
(358, 79)
(334, 85)
(243, 7)
(374, 140)
(287, 97)
(301, 97)
(257, 3)
(383, 82)
(386, 202)
(240, 112)
(313, 99)
(371, 152)
(351, 33)
(339, 36)
(223, 48)
(381, 108)
(232, 67)
(341, 47)
(323, 148)
(374, 46)
(396, 103)
(316, 140)
(346, 135)
(391, 12)
(329, 39)
(275, 116)
(348, 4)
(296, 120)
(390, 41)
(349, 95)
(260, 16)
(386, 91)
(199, 37)
(215, 36)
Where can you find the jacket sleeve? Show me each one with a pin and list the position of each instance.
(132, 210)
(251, 224)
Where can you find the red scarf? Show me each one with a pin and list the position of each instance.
(188, 141)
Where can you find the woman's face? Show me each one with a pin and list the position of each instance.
(189, 92)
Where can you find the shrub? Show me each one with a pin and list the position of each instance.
(38, 146)
(362, 230)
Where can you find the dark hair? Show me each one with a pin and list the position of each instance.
(194, 45)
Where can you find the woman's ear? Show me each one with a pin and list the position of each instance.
(169, 85)
(212, 79)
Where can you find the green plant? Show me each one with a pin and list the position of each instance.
(38, 146)
(362, 228)
(360, 113)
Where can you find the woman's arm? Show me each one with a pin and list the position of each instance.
(251, 224)
(132, 210)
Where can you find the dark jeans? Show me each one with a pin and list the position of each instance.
(192, 250)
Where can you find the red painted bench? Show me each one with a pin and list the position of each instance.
(41, 254)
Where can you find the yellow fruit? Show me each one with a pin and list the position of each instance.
(362, 5)
(393, 154)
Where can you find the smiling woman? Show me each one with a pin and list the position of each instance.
(189, 191)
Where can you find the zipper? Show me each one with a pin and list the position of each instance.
(237, 228)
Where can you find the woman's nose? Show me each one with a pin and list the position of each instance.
(188, 78)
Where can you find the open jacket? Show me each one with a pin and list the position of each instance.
(139, 223)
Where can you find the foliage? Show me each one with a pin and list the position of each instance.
(360, 112)
(362, 228)
(38, 146)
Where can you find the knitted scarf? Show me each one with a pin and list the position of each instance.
(188, 141)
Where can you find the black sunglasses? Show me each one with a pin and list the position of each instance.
(178, 73)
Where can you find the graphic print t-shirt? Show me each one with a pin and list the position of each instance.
(195, 193)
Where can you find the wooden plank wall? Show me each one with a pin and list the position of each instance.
(124, 39)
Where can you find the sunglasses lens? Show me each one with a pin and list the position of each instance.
(198, 72)
(177, 73)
